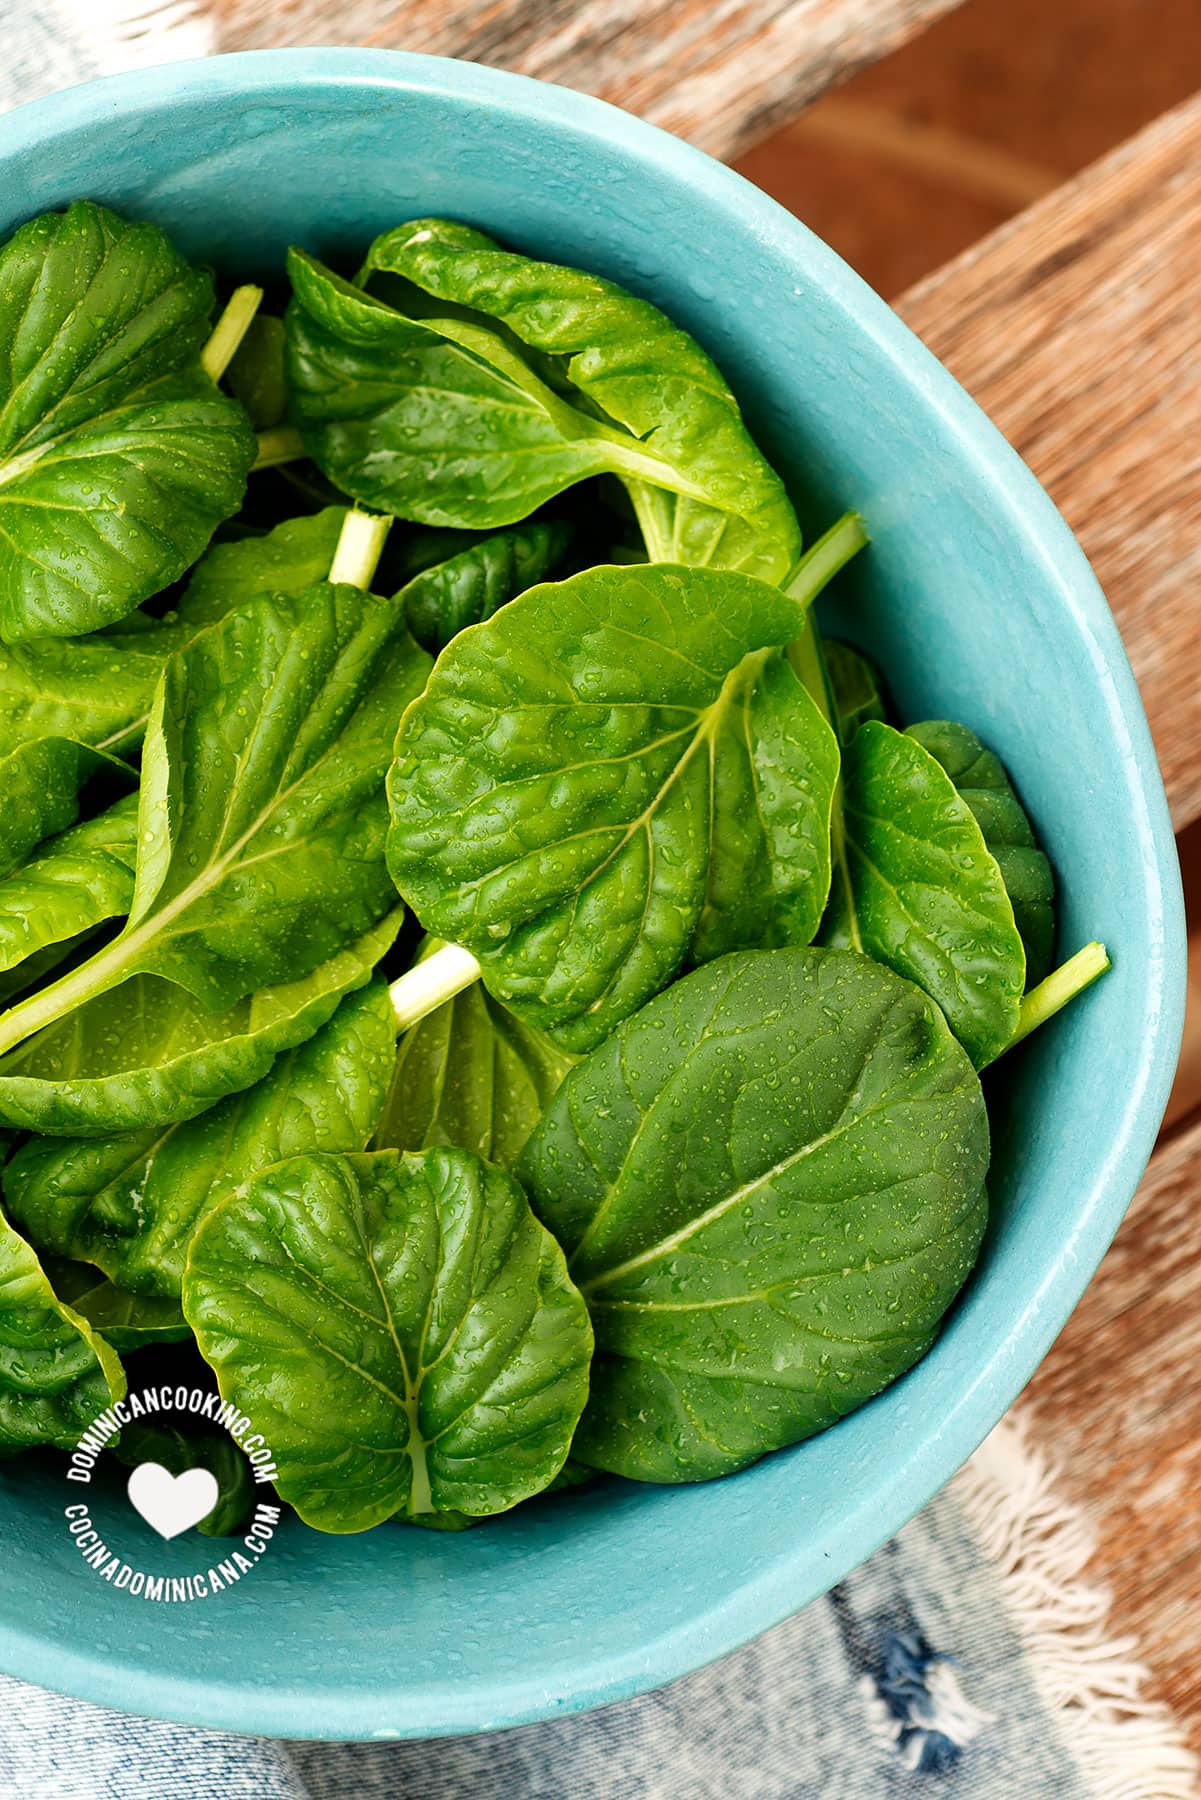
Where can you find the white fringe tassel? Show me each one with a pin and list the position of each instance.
(135, 34)
(1125, 1747)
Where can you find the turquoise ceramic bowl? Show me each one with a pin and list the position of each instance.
(978, 603)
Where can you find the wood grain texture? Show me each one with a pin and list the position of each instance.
(1118, 1404)
(721, 73)
(1077, 327)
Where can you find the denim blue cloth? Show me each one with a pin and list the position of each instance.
(908, 1680)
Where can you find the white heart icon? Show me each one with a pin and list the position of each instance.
(172, 1503)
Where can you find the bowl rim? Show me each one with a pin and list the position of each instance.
(379, 1708)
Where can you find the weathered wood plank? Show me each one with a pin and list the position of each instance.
(1077, 328)
(721, 73)
(1118, 1403)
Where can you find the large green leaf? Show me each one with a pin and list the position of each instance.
(923, 892)
(471, 585)
(262, 818)
(401, 1330)
(770, 1186)
(129, 1204)
(73, 883)
(492, 382)
(980, 779)
(471, 1074)
(613, 774)
(148, 1053)
(118, 456)
(56, 1372)
(126, 1321)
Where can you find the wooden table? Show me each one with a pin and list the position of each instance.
(1078, 328)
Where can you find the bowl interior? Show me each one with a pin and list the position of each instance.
(978, 604)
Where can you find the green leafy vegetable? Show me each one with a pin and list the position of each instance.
(770, 1186)
(255, 375)
(613, 774)
(401, 1330)
(471, 1074)
(494, 382)
(130, 1204)
(293, 557)
(118, 456)
(856, 687)
(73, 883)
(56, 1372)
(262, 819)
(926, 896)
(471, 585)
(127, 1321)
(95, 690)
(148, 1053)
(980, 779)
(41, 781)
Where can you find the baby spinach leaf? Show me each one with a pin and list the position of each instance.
(40, 784)
(770, 1186)
(470, 586)
(128, 1321)
(470, 1074)
(98, 690)
(401, 1330)
(493, 382)
(294, 556)
(118, 456)
(130, 1204)
(73, 883)
(177, 1451)
(855, 685)
(147, 1053)
(56, 1372)
(980, 779)
(613, 774)
(95, 690)
(262, 816)
(926, 895)
(255, 375)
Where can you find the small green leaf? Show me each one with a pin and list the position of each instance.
(255, 376)
(980, 779)
(73, 883)
(130, 1203)
(471, 585)
(470, 1074)
(118, 455)
(926, 895)
(147, 1053)
(856, 687)
(769, 1184)
(128, 1321)
(401, 1330)
(287, 560)
(614, 773)
(40, 782)
(56, 1373)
